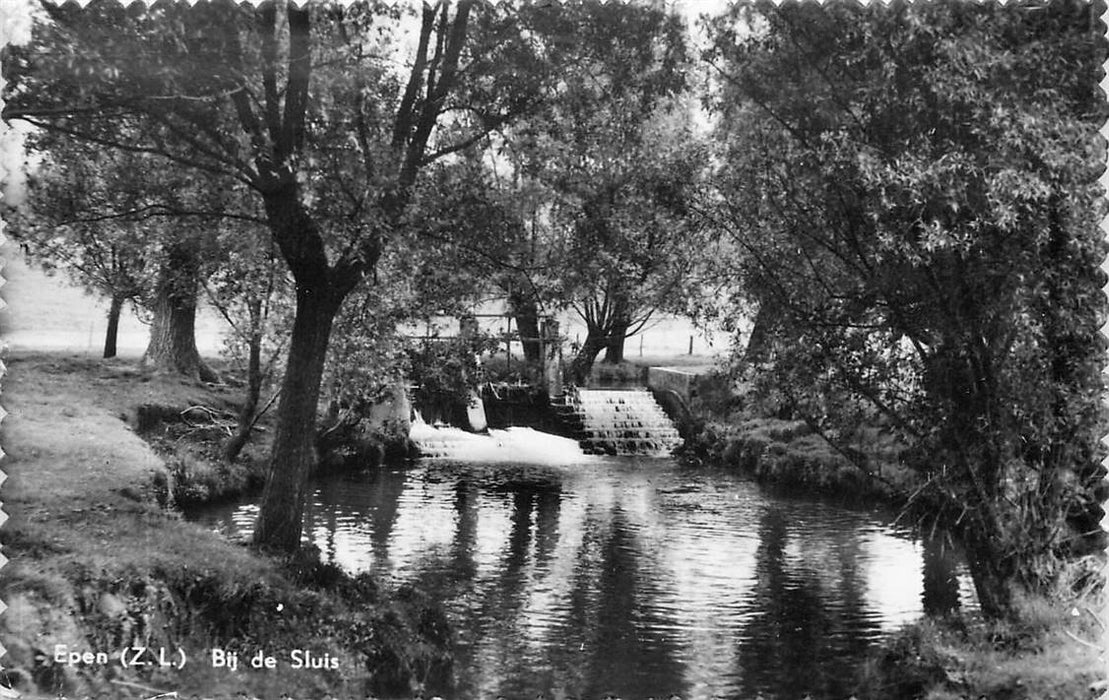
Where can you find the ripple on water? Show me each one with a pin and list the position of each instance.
(631, 575)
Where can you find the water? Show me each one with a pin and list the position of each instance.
(625, 575)
(623, 422)
(514, 444)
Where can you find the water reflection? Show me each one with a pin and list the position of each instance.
(632, 577)
(941, 585)
(808, 611)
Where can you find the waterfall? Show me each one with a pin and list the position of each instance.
(627, 422)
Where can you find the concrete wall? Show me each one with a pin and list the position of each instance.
(669, 379)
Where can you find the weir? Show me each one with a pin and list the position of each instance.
(624, 422)
(589, 422)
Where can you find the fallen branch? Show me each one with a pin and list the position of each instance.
(215, 419)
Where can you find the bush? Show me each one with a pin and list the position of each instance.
(192, 481)
(906, 666)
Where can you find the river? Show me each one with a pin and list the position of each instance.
(636, 577)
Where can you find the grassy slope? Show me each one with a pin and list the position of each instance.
(94, 562)
(1054, 652)
(80, 498)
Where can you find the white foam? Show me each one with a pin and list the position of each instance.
(508, 445)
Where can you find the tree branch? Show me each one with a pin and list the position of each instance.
(267, 20)
(406, 110)
(129, 148)
(296, 89)
(153, 210)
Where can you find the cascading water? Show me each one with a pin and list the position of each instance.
(509, 445)
(625, 422)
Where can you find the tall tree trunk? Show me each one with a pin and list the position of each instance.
(236, 442)
(173, 333)
(322, 285)
(617, 336)
(527, 322)
(992, 572)
(293, 456)
(758, 343)
(112, 335)
(616, 327)
(582, 363)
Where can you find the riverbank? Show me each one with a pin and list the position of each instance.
(726, 426)
(1055, 651)
(787, 454)
(99, 562)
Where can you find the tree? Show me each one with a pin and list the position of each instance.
(303, 107)
(604, 174)
(107, 256)
(636, 239)
(252, 293)
(98, 214)
(912, 189)
(511, 214)
(482, 246)
(173, 301)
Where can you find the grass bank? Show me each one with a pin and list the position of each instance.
(788, 454)
(1054, 651)
(729, 427)
(97, 564)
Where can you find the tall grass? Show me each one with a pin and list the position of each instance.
(1052, 648)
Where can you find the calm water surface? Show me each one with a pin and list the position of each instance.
(636, 577)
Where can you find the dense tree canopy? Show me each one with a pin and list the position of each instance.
(305, 108)
(911, 193)
(67, 225)
(610, 168)
(636, 241)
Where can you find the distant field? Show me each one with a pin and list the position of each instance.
(48, 313)
(665, 341)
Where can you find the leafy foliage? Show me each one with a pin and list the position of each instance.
(911, 194)
(251, 290)
(107, 255)
(306, 107)
(603, 177)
